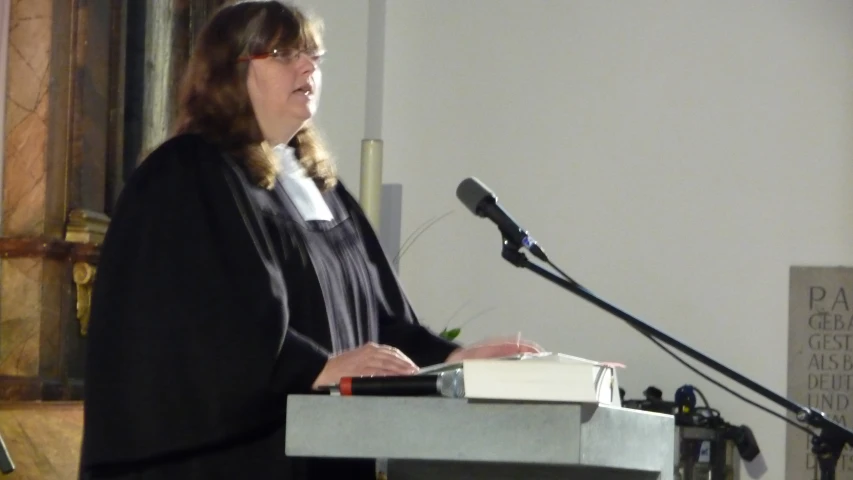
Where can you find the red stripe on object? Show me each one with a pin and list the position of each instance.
(345, 386)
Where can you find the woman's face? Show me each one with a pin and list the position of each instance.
(284, 88)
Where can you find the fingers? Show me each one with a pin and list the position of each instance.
(505, 340)
(374, 359)
(505, 348)
(487, 351)
(527, 346)
(399, 354)
(391, 363)
(392, 355)
(503, 344)
(384, 370)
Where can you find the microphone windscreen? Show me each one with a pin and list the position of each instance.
(471, 192)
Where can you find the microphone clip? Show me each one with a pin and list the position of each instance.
(511, 252)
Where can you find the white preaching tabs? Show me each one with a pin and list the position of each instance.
(299, 187)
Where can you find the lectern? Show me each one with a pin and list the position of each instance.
(451, 438)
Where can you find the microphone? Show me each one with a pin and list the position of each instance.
(446, 384)
(482, 202)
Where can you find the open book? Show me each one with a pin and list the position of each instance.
(542, 377)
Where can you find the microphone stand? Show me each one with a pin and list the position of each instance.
(827, 446)
(6, 464)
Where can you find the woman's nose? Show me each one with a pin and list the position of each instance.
(306, 63)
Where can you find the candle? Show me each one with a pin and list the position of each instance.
(370, 192)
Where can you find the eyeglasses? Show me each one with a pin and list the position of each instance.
(287, 56)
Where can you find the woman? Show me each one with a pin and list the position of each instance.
(237, 270)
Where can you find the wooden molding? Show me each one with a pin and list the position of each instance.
(51, 248)
(26, 389)
(20, 247)
(85, 253)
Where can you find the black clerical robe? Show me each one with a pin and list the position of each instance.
(213, 301)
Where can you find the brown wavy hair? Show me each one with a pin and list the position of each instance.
(213, 99)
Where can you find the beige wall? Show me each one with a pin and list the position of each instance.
(676, 158)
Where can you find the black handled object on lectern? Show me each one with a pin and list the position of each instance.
(827, 446)
(391, 386)
(448, 383)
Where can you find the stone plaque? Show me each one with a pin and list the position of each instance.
(820, 359)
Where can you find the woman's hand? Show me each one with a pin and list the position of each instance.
(368, 360)
(493, 348)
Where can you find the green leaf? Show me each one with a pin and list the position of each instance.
(450, 334)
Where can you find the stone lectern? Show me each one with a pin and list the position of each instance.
(444, 438)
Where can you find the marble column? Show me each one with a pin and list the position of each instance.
(71, 105)
(57, 143)
(25, 183)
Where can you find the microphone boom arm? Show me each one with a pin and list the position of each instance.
(827, 446)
